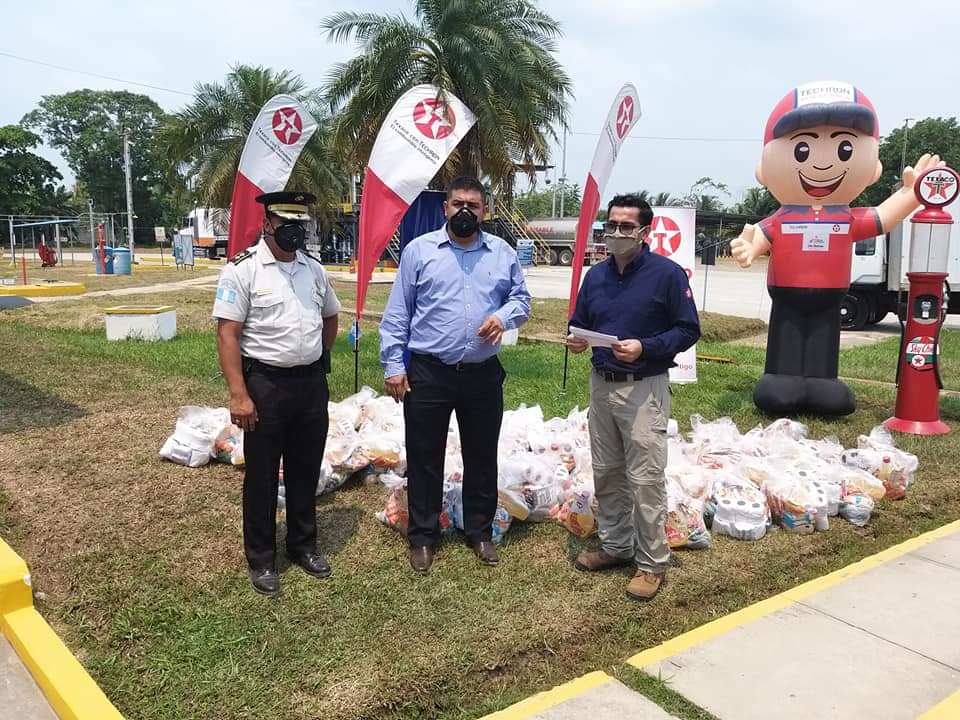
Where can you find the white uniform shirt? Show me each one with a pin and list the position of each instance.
(282, 311)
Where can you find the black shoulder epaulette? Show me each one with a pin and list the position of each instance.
(236, 259)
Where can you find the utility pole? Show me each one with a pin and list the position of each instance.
(553, 211)
(126, 172)
(563, 172)
(13, 247)
(93, 243)
(903, 153)
(56, 229)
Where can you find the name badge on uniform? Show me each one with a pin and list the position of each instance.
(816, 236)
(264, 291)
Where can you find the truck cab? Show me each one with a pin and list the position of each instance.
(878, 277)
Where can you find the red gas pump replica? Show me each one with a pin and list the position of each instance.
(919, 383)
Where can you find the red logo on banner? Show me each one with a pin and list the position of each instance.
(664, 236)
(624, 116)
(434, 118)
(287, 125)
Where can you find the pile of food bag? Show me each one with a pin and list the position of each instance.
(717, 479)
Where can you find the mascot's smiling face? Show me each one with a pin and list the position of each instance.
(824, 165)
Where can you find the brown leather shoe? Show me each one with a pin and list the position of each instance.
(486, 551)
(596, 560)
(644, 585)
(421, 558)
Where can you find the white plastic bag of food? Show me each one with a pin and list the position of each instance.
(576, 513)
(229, 448)
(195, 435)
(857, 509)
(741, 510)
(685, 525)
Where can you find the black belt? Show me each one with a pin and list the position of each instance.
(619, 376)
(460, 366)
(314, 368)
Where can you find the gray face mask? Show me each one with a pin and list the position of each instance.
(621, 245)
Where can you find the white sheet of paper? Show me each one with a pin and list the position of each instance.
(594, 339)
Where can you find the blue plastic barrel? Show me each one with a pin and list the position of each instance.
(121, 261)
(107, 261)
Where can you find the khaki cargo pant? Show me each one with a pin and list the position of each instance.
(628, 440)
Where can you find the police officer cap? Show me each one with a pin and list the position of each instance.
(288, 205)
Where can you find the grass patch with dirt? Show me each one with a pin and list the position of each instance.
(85, 272)
(141, 566)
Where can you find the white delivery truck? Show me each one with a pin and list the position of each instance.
(878, 278)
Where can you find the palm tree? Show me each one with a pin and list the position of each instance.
(757, 201)
(660, 199)
(204, 140)
(495, 55)
(702, 197)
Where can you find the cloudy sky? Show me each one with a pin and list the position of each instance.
(707, 72)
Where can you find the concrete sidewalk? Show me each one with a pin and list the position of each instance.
(20, 696)
(878, 638)
(880, 641)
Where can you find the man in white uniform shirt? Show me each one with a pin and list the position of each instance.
(277, 321)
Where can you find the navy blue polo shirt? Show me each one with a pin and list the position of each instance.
(650, 302)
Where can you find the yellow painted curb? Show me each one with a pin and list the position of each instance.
(15, 593)
(551, 698)
(778, 602)
(138, 309)
(50, 289)
(71, 692)
(949, 709)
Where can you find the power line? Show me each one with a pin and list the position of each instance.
(93, 74)
(684, 139)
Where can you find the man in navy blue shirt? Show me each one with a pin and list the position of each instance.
(643, 299)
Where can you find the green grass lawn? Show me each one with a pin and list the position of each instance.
(141, 569)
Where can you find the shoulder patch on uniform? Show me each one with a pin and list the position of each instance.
(236, 259)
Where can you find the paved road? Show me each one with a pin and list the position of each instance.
(729, 290)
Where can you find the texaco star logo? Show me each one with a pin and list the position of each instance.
(434, 118)
(287, 125)
(624, 116)
(664, 236)
(938, 187)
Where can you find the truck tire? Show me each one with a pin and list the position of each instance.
(878, 311)
(565, 257)
(552, 257)
(854, 312)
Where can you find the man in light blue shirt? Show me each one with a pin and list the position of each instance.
(458, 289)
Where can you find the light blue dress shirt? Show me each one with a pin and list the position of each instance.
(442, 295)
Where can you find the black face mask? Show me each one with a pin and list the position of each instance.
(464, 223)
(290, 236)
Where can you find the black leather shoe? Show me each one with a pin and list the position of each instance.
(265, 581)
(421, 558)
(486, 551)
(312, 564)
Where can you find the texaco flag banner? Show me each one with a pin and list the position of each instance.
(623, 115)
(672, 234)
(417, 137)
(276, 140)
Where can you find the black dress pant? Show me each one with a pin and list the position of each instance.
(292, 423)
(475, 393)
